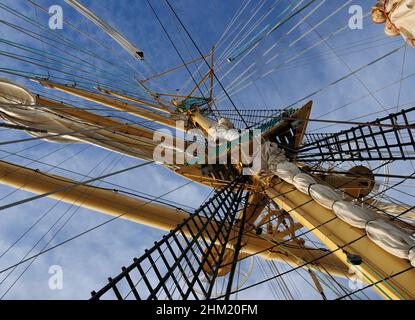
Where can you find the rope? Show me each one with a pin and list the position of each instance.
(234, 41)
(114, 34)
(353, 72)
(236, 16)
(256, 42)
(53, 236)
(201, 54)
(85, 232)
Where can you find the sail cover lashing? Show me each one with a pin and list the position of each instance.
(118, 37)
(16, 104)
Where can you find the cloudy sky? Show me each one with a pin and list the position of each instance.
(266, 78)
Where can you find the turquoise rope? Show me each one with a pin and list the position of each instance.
(62, 61)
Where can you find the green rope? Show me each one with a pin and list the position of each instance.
(50, 57)
(55, 38)
(32, 61)
(386, 281)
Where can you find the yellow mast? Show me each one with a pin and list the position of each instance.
(160, 107)
(143, 212)
(135, 137)
(112, 103)
(342, 239)
(66, 110)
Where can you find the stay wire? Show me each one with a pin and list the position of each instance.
(35, 223)
(86, 231)
(174, 46)
(55, 234)
(206, 62)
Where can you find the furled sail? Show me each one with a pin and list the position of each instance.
(16, 107)
(398, 17)
(122, 41)
(63, 125)
(394, 239)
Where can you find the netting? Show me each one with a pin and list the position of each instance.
(186, 262)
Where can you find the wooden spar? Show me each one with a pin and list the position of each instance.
(377, 264)
(173, 69)
(161, 107)
(209, 75)
(67, 110)
(198, 84)
(136, 137)
(108, 29)
(202, 121)
(172, 95)
(111, 103)
(141, 211)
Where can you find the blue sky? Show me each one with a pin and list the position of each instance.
(88, 261)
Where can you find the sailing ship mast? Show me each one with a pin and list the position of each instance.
(237, 222)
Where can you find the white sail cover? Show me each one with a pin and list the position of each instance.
(393, 239)
(118, 37)
(224, 129)
(404, 212)
(18, 107)
(398, 17)
(14, 94)
(398, 241)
